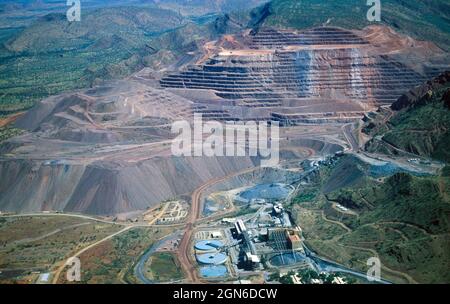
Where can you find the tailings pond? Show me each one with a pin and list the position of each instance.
(269, 192)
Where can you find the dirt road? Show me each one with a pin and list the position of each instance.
(77, 254)
(350, 137)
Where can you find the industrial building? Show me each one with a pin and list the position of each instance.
(284, 239)
(240, 227)
(266, 235)
(251, 254)
(278, 208)
(228, 220)
(294, 240)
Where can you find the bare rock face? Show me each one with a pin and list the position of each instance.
(422, 94)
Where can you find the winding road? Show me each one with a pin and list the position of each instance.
(347, 130)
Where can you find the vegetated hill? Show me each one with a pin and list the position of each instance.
(409, 223)
(422, 201)
(423, 19)
(53, 55)
(21, 13)
(419, 125)
(130, 24)
(200, 7)
(108, 43)
(403, 219)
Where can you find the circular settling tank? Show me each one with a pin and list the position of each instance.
(208, 245)
(211, 258)
(213, 271)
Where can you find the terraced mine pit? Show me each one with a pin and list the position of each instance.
(316, 76)
(78, 146)
(271, 38)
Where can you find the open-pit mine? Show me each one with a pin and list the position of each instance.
(105, 152)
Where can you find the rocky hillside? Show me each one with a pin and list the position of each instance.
(199, 7)
(424, 19)
(419, 125)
